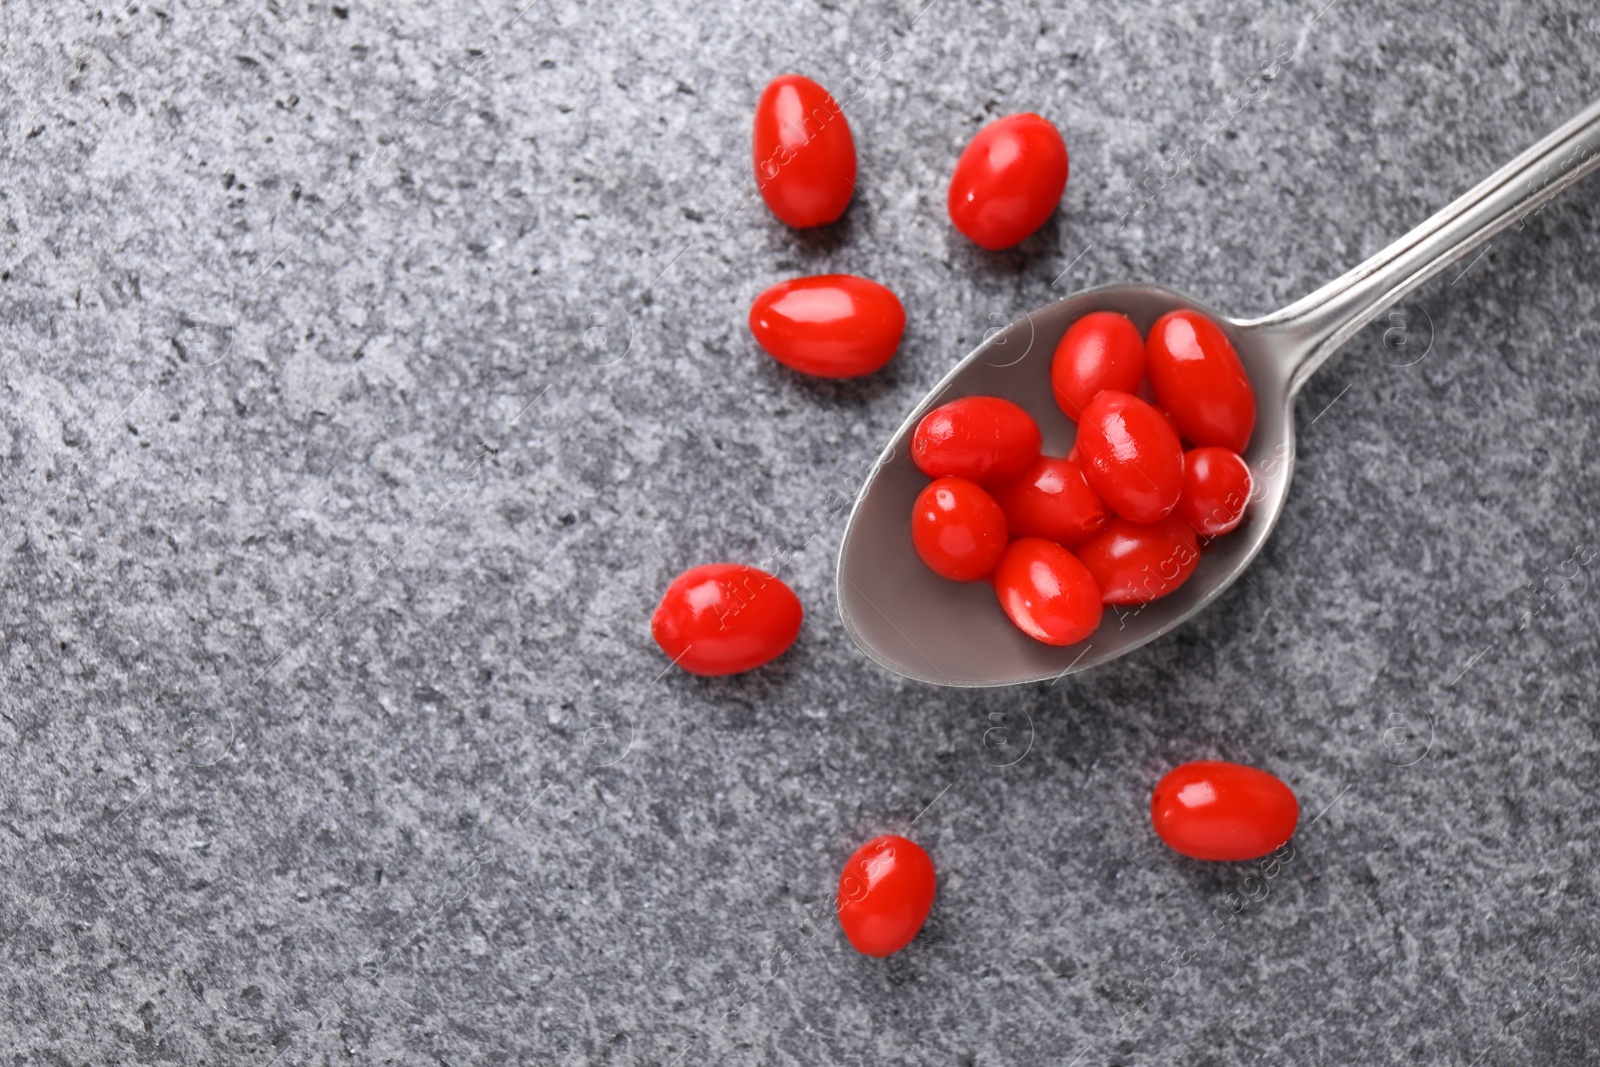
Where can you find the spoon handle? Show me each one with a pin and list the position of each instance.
(1314, 327)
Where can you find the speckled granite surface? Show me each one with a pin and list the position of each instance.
(367, 371)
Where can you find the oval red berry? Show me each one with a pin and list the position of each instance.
(1216, 488)
(723, 618)
(981, 438)
(1130, 456)
(1046, 592)
(805, 158)
(1134, 563)
(885, 892)
(1200, 382)
(1214, 810)
(1008, 180)
(958, 529)
(1052, 500)
(1102, 350)
(830, 325)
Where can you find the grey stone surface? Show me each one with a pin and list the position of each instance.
(367, 371)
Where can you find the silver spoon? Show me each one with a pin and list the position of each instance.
(948, 633)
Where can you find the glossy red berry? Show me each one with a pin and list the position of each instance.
(980, 438)
(1214, 810)
(1134, 563)
(1200, 382)
(1102, 350)
(958, 529)
(1130, 455)
(1052, 500)
(1216, 488)
(1046, 592)
(831, 325)
(885, 892)
(1008, 180)
(723, 618)
(805, 158)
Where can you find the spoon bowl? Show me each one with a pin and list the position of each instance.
(924, 627)
(953, 633)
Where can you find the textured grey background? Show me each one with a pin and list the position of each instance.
(368, 371)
